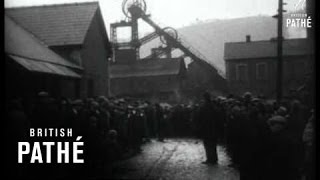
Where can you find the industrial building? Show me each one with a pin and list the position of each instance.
(77, 33)
(251, 65)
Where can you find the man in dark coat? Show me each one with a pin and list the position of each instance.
(207, 129)
(281, 161)
(159, 122)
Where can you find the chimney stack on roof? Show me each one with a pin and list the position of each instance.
(248, 38)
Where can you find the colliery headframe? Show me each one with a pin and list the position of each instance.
(128, 52)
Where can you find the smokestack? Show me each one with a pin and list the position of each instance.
(248, 38)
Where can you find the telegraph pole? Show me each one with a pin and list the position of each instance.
(279, 50)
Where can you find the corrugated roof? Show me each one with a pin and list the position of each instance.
(266, 49)
(151, 67)
(26, 49)
(44, 67)
(62, 24)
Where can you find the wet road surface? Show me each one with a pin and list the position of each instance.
(175, 159)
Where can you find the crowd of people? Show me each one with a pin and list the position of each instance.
(112, 129)
(265, 139)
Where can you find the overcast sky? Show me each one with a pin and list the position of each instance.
(178, 13)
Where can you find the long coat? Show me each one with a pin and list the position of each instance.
(207, 122)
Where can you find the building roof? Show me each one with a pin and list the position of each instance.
(150, 67)
(44, 67)
(266, 49)
(62, 24)
(28, 51)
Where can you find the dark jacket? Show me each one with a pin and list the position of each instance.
(207, 122)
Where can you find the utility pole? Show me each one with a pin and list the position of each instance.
(279, 50)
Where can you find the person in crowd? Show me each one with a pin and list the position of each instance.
(159, 122)
(111, 150)
(93, 141)
(248, 138)
(136, 127)
(207, 129)
(297, 119)
(309, 145)
(280, 162)
(233, 130)
(104, 115)
(150, 118)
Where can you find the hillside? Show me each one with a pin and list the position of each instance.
(209, 37)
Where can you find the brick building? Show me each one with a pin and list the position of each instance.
(77, 33)
(157, 80)
(252, 65)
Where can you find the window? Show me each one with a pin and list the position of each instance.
(242, 72)
(261, 71)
